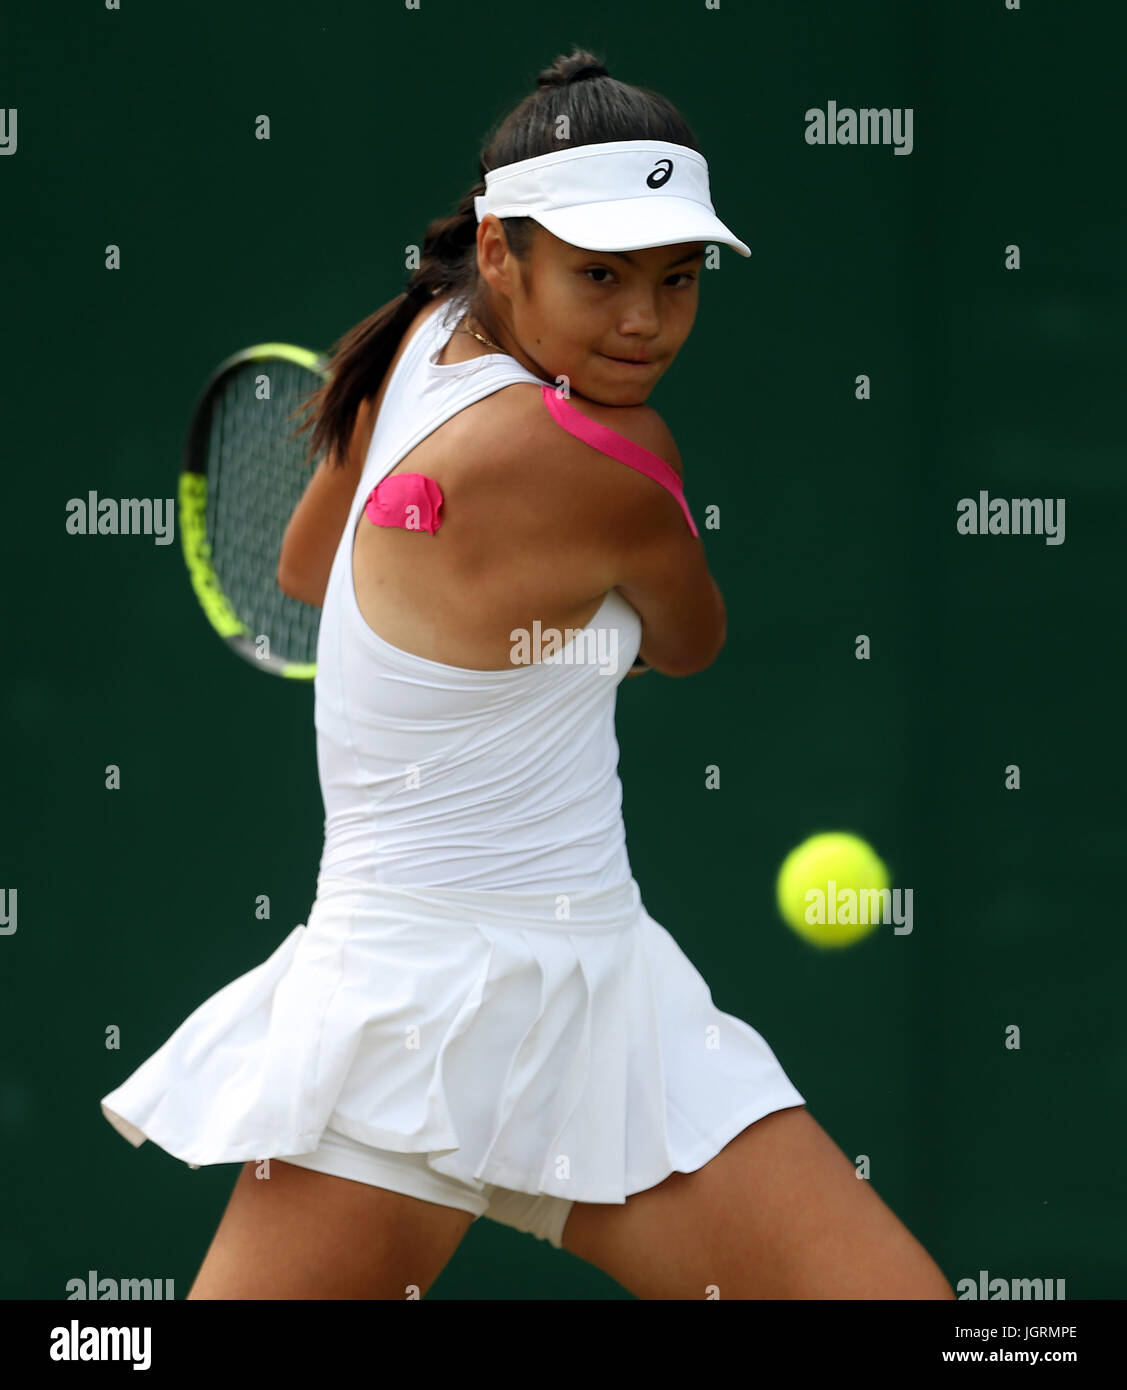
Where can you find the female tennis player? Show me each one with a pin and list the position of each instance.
(480, 1018)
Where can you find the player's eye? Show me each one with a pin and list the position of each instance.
(686, 276)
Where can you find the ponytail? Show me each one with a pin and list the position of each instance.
(361, 358)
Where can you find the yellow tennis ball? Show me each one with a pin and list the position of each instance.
(832, 889)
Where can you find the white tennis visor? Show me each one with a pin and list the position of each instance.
(622, 195)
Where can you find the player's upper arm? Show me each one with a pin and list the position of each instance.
(660, 566)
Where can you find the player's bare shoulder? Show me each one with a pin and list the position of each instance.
(572, 483)
(528, 422)
(641, 424)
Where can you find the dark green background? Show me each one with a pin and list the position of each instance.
(837, 518)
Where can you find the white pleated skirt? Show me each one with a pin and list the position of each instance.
(542, 1042)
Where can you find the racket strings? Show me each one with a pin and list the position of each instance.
(256, 477)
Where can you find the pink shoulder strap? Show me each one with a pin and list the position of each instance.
(609, 441)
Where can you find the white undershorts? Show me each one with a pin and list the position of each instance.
(540, 1215)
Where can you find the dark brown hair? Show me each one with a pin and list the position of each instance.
(598, 109)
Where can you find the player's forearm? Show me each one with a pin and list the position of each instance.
(314, 530)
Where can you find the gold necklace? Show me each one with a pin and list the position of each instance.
(487, 341)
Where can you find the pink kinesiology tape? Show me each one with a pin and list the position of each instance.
(410, 500)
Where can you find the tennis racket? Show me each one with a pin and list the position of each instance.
(244, 473)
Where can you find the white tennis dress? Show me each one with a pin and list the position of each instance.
(478, 980)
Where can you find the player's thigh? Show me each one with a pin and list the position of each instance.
(779, 1213)
(304, 1234)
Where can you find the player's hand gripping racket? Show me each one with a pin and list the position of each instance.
(244, 473)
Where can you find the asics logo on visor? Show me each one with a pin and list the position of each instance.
(660, 175)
